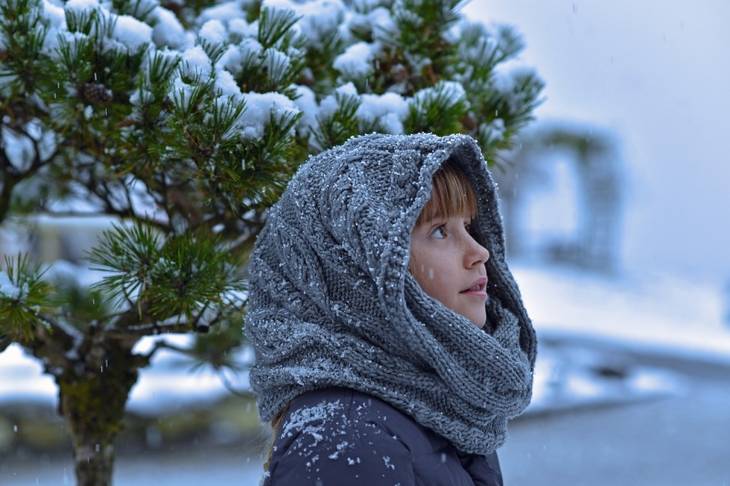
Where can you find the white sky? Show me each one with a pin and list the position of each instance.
(658, 74)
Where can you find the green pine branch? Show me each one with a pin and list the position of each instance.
(340, 125)
(177, 276)
(23, 296)
(438, 110)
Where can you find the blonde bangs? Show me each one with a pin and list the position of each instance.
(452, 195)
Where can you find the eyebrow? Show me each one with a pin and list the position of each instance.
(440, 219)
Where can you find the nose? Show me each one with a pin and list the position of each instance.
(476, 253)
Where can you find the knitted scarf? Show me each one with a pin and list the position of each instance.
(331, 301)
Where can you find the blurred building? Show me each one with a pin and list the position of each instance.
(48, 239)
(561, 193)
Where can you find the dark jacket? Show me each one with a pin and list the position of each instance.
(341, 437)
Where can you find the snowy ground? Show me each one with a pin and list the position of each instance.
(184, 468)
(657, 314)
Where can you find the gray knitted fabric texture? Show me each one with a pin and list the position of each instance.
(331, 300)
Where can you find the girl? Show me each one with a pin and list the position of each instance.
(391, 342)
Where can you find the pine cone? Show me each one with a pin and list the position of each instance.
(96, 93)
(399, 73)
(468, 122)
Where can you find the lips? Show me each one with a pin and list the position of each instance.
(477, 285)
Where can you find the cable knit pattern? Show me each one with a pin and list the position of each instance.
(331, 300)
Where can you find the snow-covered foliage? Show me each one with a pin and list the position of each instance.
(255, 61)
(8, 289)
(357, 60)
(260, 106)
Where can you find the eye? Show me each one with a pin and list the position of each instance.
(441, 227)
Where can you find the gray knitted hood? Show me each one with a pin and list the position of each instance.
(332, 302)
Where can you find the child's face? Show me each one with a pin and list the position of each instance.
(445, 260)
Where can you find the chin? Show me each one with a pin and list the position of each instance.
(479, 322)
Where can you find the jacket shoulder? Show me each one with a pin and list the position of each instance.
(336, 436)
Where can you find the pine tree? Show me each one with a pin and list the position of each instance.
(184, 122)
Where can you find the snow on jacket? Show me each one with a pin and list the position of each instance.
(337, 436)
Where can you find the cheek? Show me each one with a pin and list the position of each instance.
(422, 268)
(415, 261)
(430, 277)
(426, 268)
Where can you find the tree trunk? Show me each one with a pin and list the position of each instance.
(92, 404)
(94, 462)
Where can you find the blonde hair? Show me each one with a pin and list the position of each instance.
(452, 194)
(276, 426)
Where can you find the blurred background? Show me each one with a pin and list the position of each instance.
(616, 215)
